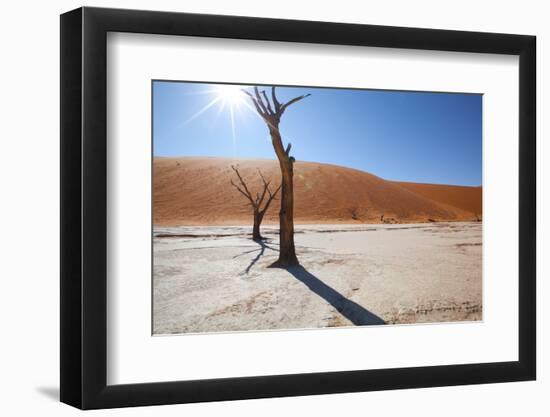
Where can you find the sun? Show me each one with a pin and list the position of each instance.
(225, 97)
(230, 94)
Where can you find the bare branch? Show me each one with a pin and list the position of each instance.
(246, 192)
(267, 103)
(261, 199)
(287, 150)
(276, 191)
(242, 192)
(270, 199)
(275, 101)
(289, 103)
(256, 202)
(260, 101)
(255, 102)
(266, 183)
(265, 190)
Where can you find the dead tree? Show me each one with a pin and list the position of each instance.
(271, 113)
(259, 208)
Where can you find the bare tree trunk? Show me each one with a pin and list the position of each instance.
(256, 227)
(271, 112)
(287, 253)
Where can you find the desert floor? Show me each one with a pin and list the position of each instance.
(216, 279)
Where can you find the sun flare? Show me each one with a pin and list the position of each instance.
(225, 97)
(230, 94)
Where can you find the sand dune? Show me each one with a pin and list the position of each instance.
(194, 191)
(466, 198)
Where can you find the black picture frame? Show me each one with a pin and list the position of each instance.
(84, 207)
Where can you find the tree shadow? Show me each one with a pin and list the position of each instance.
(355, 313)
(261, 251)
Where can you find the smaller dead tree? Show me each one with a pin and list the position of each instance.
(259, 204)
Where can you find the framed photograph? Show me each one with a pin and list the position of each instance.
(258, 208)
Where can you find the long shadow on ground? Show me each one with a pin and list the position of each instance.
(355, 313)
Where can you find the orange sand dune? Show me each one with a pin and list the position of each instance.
(466, 198)
(193, 191)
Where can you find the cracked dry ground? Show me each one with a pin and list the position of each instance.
(215, 279)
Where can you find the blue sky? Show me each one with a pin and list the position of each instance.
(404, 136)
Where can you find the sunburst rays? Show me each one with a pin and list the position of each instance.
(225, 96)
